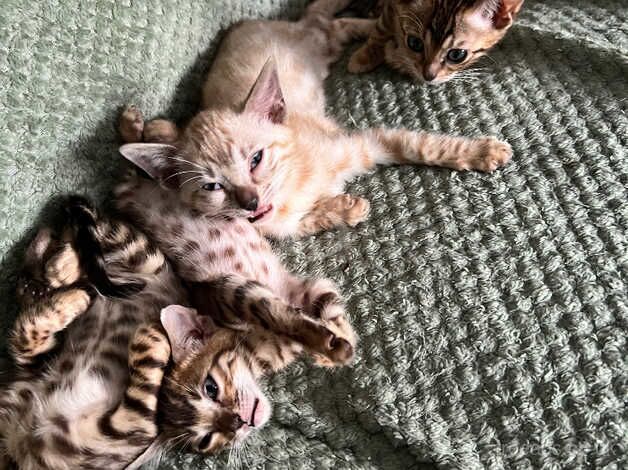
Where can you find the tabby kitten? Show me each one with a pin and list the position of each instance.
(433, 40)
(263, 147)
(94, 404)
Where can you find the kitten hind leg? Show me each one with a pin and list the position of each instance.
(50, 306)
(329, 212)
(133, 128)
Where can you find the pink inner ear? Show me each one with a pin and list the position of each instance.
(266, 98)
(482, 17)
(494, 14)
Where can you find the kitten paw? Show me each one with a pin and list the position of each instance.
(68, 305)
(161, 131)
(492, 154)
(131, 125)
(356, 209)
(63, 268)
(339, 353)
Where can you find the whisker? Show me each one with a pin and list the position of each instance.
(183, 160)
(183, 172)
(191, 179)
(415, 21)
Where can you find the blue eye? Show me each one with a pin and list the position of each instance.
(210, 387)
(212, 186)
(257, 157)
(456, 55)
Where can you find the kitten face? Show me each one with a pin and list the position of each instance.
(435, 39)
(231, 160)
(226, 160)
(210, 397)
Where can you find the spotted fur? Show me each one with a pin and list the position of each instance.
(417, 37)
(93, 404)
(101, 400)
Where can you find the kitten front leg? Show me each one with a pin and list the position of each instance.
(372, 53)
(402, 146)
(134, 419)
(368, 57)
(238, 303)
(329, 212)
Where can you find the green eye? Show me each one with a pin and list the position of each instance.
(212, 186)
(456, 55)
(415, 44)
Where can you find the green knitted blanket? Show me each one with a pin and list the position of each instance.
(492, 309)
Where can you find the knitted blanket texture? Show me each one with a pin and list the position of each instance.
(492, 309)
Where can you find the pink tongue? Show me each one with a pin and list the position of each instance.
(260, 210)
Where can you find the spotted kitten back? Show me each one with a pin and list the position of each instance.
(434, 40)
(263, 148)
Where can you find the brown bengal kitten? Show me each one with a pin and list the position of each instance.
(94, 403)
(263, 147)
(433, 40)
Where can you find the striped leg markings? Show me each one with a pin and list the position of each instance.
(250, 303)
(134, 418)
(35, 327)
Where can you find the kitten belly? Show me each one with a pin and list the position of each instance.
(214, 248)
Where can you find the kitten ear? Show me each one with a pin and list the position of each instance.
(266, 98)
(498, 14)
(186, 330)
(154, 159)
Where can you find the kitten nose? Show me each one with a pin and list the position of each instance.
(237, 422)
(430, 71)
(252, 205)
(228, 421)
(246, 198)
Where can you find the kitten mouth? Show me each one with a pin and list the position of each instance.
(260, 213)
(252, 417)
